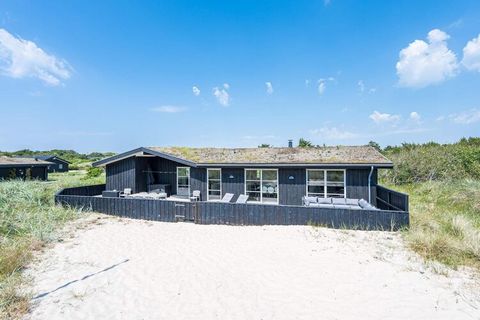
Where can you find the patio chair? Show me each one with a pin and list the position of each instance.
(242, 199)
(227, 197)
(195, 195)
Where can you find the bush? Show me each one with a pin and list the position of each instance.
(93, 172)
(432, 161)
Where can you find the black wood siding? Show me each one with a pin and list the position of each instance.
(198, 181)
(235, 184)
(54, 167)
(132, 173)
(37, 172)
(291, 190)
(121, 175)
(357, 184)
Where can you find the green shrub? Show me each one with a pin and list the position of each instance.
(432, 161)
(93, 172)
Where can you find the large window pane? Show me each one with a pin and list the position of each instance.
(214, 174)
(316, 176)
(269, 175)
(253, 186)
(335, 176)
(326, 183)
(214, 184)
(253, 196)
(183, 181)
(317, 190)
(252, 174)
(262, 185)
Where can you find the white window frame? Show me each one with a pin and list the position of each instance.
(261, 183)
(189, 180)
(208, 180)
(325, 181)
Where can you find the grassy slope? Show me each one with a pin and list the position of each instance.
(443, 182)
(445, 221)
(28, 220)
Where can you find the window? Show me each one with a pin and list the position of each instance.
(60, 166)
(261, 185)
(183, 181)
(326, 183)
(214, 184)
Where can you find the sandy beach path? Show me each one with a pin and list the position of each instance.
(130, 269)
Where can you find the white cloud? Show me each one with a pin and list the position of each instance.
(321, 86)
(471, 54)
(269, 87)
(226, 86)
(466, 117)
(415, 116)
(196, 91)
(361, 86)
(307, 83)
(23, 58)
(333, 133)
(169, 109)
(422, 64)
(222, 95)
(378, 117)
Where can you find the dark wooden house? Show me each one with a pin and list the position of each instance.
(23, 168)
(266, 175)
(57, 164)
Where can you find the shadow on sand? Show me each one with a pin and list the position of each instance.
(41, 295)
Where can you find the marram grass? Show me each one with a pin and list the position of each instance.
(29, 219)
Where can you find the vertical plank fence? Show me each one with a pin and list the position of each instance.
(88, 198)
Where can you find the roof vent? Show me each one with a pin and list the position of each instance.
(290, 143)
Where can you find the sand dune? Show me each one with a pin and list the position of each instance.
(128, 269)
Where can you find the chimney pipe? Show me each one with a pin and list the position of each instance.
(290, 143)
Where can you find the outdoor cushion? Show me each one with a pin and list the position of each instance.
(324, 200)
(341, 206)
(310, 200)
(321, 205)
(362, 203)
(338, 201)
(352, 202)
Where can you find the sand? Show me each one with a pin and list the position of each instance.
(130, 269)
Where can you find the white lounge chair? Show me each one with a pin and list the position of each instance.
(195, 195)
(227, 197)
(242, 199)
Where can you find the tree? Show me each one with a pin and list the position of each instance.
(302, 143)
(264, 145)
(375, 145)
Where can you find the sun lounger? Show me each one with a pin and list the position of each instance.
(242, 199)
(227, 197)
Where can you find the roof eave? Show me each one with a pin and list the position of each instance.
(303, 165)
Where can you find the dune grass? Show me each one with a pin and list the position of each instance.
(28, 220)
(445, 221)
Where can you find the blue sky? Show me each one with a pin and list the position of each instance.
(114, 75)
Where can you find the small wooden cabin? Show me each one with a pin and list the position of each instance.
(23, 168)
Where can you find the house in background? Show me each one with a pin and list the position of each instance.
(281, 176)
(23, 168)
(57, 164)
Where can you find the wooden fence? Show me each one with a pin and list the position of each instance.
(388, 199)
(230, 213)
